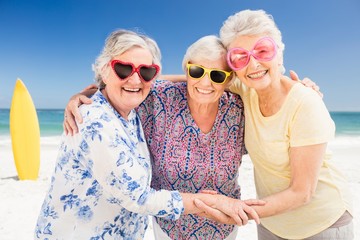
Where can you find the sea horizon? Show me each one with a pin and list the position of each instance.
(51, 120)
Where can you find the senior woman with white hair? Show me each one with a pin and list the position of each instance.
(101, 185)
(287, 130)
(195, 133)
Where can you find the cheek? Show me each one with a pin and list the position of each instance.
(277, 61)
(275, 66)
(241, 73)
(190, 84)
(220, 88)
(146, 88)
(111, 78)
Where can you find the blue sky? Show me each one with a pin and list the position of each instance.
(51, 44)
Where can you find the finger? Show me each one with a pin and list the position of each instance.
(252, 213)
(67, 128)
(214, 214)
(307, 82)
(316, 88)
(70, 120)
(64, 127)
(84, 100)
(225, 220)
(239, 220)
(75, 108)
(242, 216)
(77, 116)
(202, 206)
(294, 76)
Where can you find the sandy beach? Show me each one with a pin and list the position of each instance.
(21, 200)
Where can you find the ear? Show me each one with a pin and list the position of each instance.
(105, 72)
(102, 84)
(281, 64)
(104, 80)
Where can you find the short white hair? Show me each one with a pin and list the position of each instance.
(118, 42)
(249, 23)
(206, 48)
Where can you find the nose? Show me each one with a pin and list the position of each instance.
(135, 78)
(253, 63)
(206, 79)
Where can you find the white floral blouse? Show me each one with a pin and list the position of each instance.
(101, 185)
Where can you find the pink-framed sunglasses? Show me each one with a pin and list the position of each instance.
(264, 50)
(125, 69)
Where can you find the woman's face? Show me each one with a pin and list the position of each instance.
(257, 74)
(203, 90)
(126, 94)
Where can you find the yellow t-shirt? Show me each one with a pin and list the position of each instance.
(302, 120)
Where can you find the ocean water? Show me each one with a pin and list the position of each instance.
(50, 120)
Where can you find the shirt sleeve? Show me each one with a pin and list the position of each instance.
(312, 123)
(121, 168)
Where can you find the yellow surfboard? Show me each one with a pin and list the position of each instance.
(25, 133)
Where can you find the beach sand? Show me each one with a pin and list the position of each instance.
(20, 201)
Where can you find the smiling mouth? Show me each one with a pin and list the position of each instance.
(257, 75)
(204, 91)
(132, 89)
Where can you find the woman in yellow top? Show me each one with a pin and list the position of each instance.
(287, 129)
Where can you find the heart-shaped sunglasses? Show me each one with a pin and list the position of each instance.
(125, 69)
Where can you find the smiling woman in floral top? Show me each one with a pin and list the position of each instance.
(101, 185)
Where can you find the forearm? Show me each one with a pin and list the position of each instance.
(305, 164)
(281, 202)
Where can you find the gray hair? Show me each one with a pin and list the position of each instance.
(116, 44)
(249, 23)
(206, 48)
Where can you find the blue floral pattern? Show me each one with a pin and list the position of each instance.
(101, 185)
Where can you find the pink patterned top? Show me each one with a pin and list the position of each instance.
(187, 160)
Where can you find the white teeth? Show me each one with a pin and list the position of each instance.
(204, 91)
(257, 75)
(132, 89)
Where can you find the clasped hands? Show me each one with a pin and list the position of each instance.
(228, 210)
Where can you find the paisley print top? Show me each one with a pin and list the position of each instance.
(187, 160)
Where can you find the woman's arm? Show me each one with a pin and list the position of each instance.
(122, 168)
(305, 163)
(72, 115)
(174, 78)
